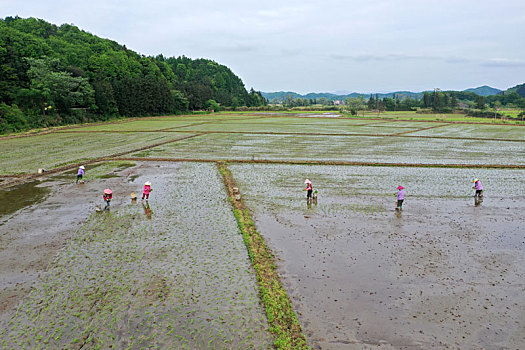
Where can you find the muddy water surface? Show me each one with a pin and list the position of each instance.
(171, 272)
(36, 220)
(440, 274)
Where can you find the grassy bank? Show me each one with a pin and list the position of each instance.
(279, 310)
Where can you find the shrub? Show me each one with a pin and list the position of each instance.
(12, 119)
(478, 113)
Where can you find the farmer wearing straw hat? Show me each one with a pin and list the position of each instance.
(308, 188)
(478, 187)
(147, 190)
(108, 194)
(400, 197)
(80, 173)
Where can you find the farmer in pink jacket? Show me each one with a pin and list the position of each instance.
(478, 187)
(108, 195)
(400, 197)
(147, 190)
(309, 188)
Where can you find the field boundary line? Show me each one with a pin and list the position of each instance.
(282, 319)
(416, 130)
(15, 179)
(328, 162)
(409, 120)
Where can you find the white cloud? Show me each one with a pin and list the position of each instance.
(316, 46)
(504, 63)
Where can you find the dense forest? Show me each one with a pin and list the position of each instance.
(53, 75)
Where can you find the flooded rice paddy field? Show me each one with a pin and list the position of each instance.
(344, 148)
(169, 273)
(441, 274)
(164, 123)
(28, 154)
(251, 137)
(174, 273)
(481, 131)
(299, 128)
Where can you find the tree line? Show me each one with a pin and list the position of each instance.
(53, 75)
(435, 101)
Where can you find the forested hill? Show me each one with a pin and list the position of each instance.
(51, 75)
(484, 90)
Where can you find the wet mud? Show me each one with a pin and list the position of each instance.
(36, 220)
(442, 273)
(20, 196)
(171, 272)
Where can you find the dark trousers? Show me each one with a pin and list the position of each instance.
(479, 193)
(79, 177)
(400, 203)
(309, 194)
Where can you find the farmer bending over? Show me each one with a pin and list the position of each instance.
(308, 188)
(478, 187)
(108, 194)
(80, 173)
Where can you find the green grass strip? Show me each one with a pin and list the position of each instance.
(282, 320)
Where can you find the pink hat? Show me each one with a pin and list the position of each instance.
(307, 181)
(108, 191)
(399, 187)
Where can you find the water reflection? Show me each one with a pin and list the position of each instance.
(310, 201)
(478, 199)
(147, 210)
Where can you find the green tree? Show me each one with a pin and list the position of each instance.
(355, 104)
(180, 102)
(105, 98)
(58, 88)
(480, 102)
(497, 106)
(427, 99)
(371, 102)
(12, 119)
(213, 106)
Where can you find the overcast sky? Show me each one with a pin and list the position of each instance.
(316, 46)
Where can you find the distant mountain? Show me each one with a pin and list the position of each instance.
(484, 90)
(520, 89)
(281, 95)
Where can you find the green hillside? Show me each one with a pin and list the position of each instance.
(52, 75)
(484, 90)
(519, 89)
